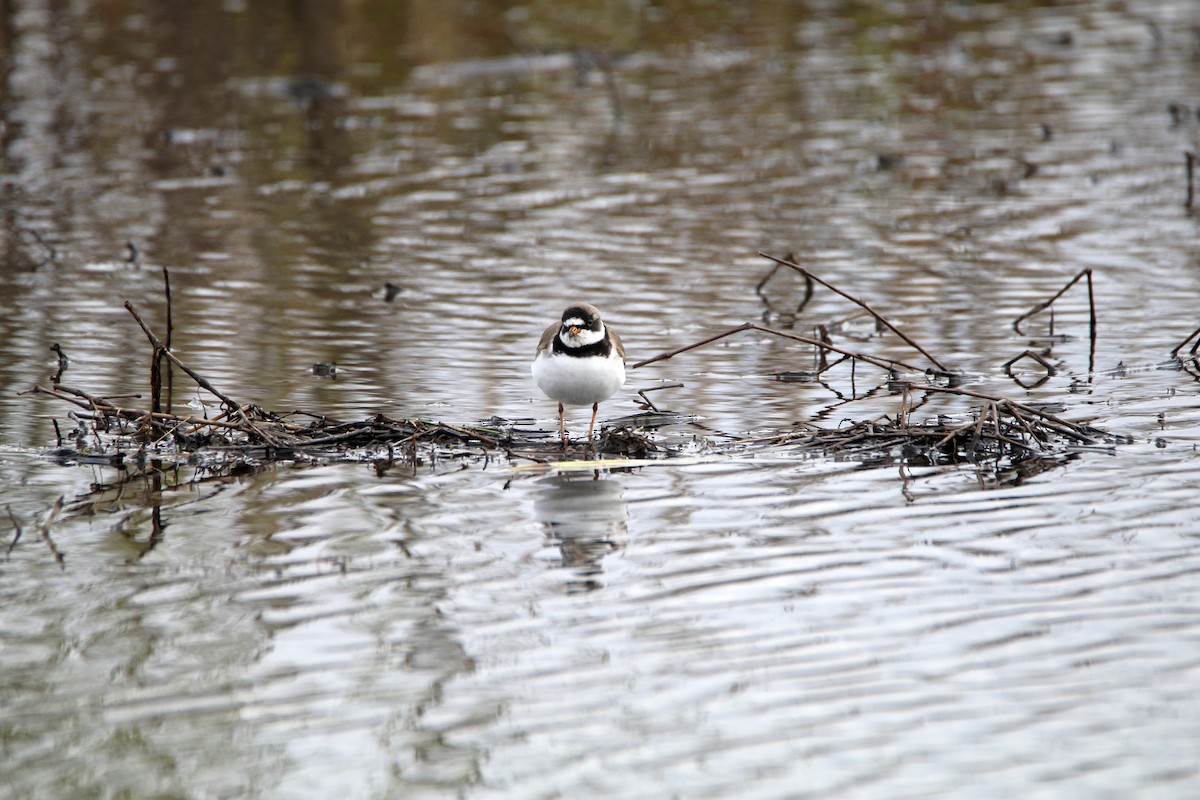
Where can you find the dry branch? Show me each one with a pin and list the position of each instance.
(878, 317)
(885, 363)
(161, 349)
(1084, 273)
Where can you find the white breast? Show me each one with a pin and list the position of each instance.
(578, 381)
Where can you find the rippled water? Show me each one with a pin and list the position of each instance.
(753, 626)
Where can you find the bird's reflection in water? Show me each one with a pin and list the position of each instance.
(586, 518)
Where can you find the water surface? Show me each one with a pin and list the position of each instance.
(775, 625)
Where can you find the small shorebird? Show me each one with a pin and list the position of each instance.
(579, 361)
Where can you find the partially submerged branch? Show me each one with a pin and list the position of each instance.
(1196, 346)
(160, 349)
(1084, 273)
(863, 304)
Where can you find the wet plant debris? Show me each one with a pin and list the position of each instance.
(1005, 436)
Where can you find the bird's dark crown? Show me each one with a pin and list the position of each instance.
(589, 315)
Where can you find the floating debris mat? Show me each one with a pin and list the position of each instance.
(998, 432)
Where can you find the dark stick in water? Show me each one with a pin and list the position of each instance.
(198, 378)
(879, 317)
(1084, 273)
(885, 363)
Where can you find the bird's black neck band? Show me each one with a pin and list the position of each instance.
(601, 348)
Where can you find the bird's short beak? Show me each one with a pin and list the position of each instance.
(574, 330)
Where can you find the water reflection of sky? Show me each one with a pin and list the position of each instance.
(766, 626)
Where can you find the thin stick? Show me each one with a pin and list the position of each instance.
(983, 414)
(170, 330)
(879, 317)
(167, 293)
(884, 363)
(156, 380)
(198, 378)
(1190, 336)
(745, 326)
(1015, 414)
(1091, 325)
(953, 432)
(1189, 164)
(808, 290)
(642, 393)
(99, 405)
(1086, 272)
(207, 421)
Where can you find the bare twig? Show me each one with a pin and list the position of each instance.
(99, 405)
(953, 432)
(170, 332)
(1193, 335)
(198, 378)
(1086, 272)
(761, 285)
(167, 295)
(646, 400)
(1189, 165)
(878, 317)
(885, 363)
(745, 326)
(1015, 413)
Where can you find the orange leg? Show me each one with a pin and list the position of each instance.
(595, 407)
(562, 426)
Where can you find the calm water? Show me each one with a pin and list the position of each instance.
(773, 626)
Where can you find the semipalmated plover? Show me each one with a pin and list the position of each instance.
(580, 361)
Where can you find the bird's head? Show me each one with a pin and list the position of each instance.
(581, 326)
